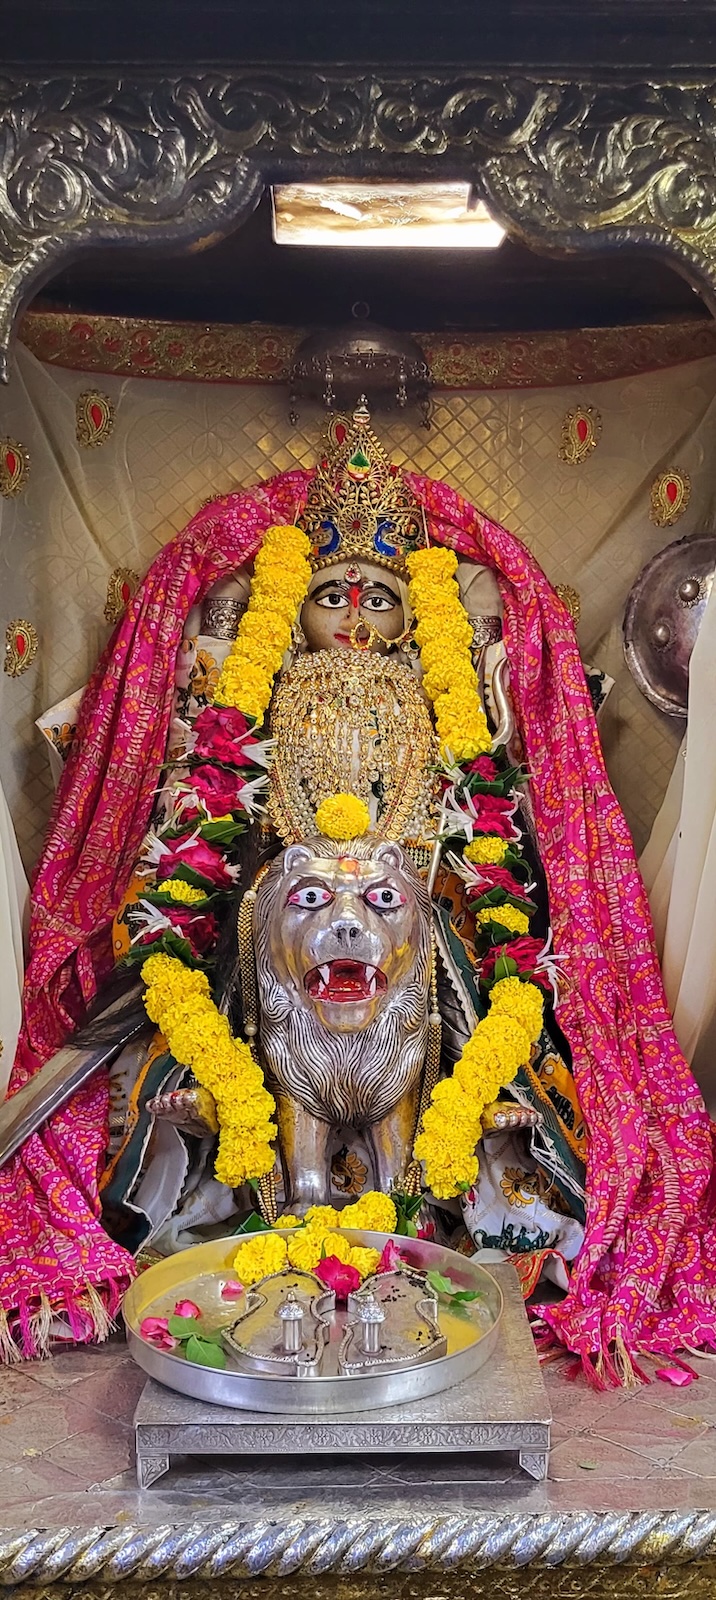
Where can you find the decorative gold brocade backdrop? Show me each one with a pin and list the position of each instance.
(85, 511)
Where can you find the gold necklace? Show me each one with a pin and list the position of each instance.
(351, 722)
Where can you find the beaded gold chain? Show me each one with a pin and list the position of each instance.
(357, 723)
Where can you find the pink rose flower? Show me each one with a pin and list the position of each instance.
(200, 930)
(222, 734)
(186, 1308)
(391, 1258)
(218, 788)
(203, 857)
(427, 1232)
(525, 952)
(494, 877)
(485, 766)
(156, 1331)
(494, 815)
(339, 1277)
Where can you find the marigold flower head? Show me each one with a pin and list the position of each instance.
(508, 916)
(342, 816)
(373, 1211)
(258, 1257)
(305, 1248)
(364, 1258)
(186, 893)
(487, 850)
(322, 1216)
(522, 1001)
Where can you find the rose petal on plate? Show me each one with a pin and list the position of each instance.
(186, 1308)
(152, 1327)
(232, 1290)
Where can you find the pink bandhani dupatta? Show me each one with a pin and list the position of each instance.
(55, 1256)
(645, 1279)
(646, 1275)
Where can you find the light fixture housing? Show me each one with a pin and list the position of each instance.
(363, 213)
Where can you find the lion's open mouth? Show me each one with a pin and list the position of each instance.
(344, 981)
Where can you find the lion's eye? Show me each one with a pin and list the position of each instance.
(311, 897)
(384, 899)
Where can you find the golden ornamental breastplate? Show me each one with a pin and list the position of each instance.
(351, 722)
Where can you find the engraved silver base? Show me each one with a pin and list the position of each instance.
(503, 1407)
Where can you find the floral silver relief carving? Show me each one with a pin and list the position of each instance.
(175, 160)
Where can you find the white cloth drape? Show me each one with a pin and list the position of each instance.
(679, 869)
(14, 896)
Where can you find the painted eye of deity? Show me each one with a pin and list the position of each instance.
(334, 600)
(372, 601)
(383, 898)
(310, 897)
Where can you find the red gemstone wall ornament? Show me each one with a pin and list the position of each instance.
(20, 647)
(94, 418)
(14, 467)
(122, 585)
(581, 432)
(670, 495)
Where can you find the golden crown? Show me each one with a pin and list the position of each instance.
(358, 502)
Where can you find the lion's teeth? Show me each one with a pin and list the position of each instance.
(373, 987)
(370, 973)
(325, 976)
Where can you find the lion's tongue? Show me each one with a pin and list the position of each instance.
(347, 981)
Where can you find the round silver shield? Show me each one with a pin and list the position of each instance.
(662, 619)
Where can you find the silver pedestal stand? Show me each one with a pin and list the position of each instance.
(502, 1407)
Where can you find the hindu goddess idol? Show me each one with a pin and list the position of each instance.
(337, 795)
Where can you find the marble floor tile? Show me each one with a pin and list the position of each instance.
(697, 1400)
(113, 1391)
(67, 1368)
(652, 1432)
(585, 1456)
(698, 1458)
(35, 1428)
(96, 1455)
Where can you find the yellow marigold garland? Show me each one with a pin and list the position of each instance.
(342, 816)
(500, 1045)
(444, 634)
(508, 916)
(278, 588)
(317, 1235)
(179, 1001)
(185, 893)
(487, 850)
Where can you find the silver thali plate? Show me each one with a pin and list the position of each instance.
(200, 1274)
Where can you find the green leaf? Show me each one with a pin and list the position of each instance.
(253, 1224)
(450, 1290)
(170, 944)
(440, 1283)
(222, 832)
(505, 967)
(183, 1327)
(205, 1353)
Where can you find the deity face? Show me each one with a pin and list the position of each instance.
(347, 932)
(349, 596)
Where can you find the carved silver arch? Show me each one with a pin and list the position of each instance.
(181, 160)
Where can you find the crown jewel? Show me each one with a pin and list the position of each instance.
(358, 503)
